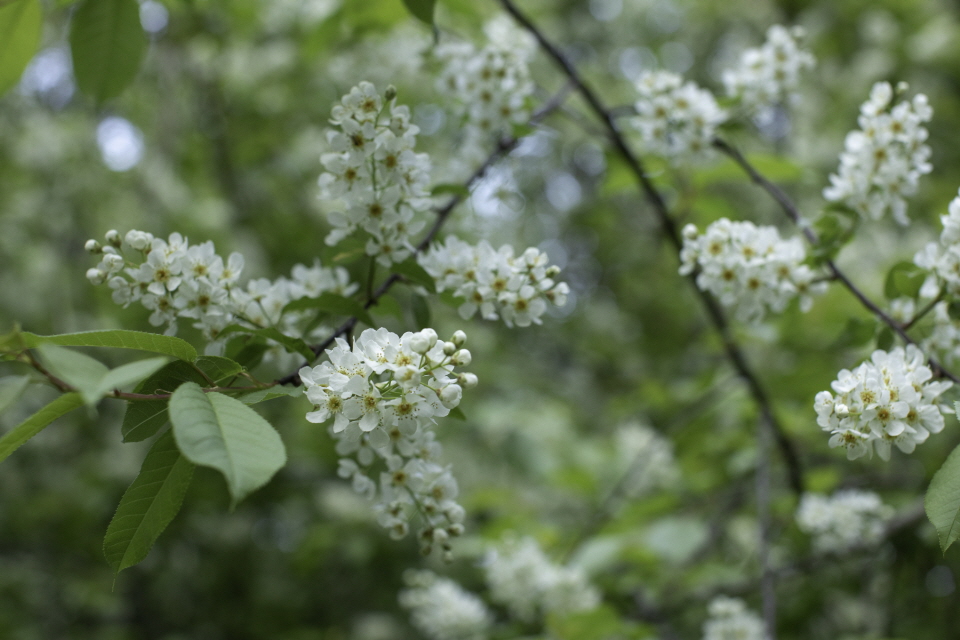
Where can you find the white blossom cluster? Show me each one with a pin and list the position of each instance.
(384, 394)
(942, 259)
(522, 578)
(491, 85)
(731, 620)
(843, 521)
(770, 75)
(944, 339)
(374, 175)
(889, 399)
(495, 282)
(882, 162)
(748, 268)
(649, 459)
(174, 279)
(675, 119)
(442, 610)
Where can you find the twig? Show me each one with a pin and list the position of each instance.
(669, 227)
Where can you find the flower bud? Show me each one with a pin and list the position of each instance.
(553, 271)
(431, 336)
(462, 358)
(449, 348)
(459, 338)
(467, 380)
(419, 343)
(390, 93)
(455, 530)
(440, 536)
(841, 410)
(450, 395)
(95, 276)
(113, 238)
(92, 246)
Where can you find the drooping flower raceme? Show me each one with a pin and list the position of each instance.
(843, 521)
(882, 162)
(748, 268)
(383, 395)
(675, 119)
(491, 86)
(731, 620)
(523, 579)
(175, 279)
(889, 399)
(374, 175)
(770, 75)
(442, 610)
(495, 282)
(944, 338)
(942, 259)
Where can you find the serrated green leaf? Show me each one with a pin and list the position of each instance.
(270, 394)
(145, 418)
(130, 373)
(11, 388)
(412, 271)
(20, 26)
(214, 430)
(36, 423)
(80, 371)
(903, 279)
(421, 9)
(332, 303)
(148, 505)
(942, 502)
(292, 345)
(246, 350)
(421, 311)
(218, 368)
(107, 44)
(118, 338)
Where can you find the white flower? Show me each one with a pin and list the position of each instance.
(770, 74)
(882, 162)
(846, 520)
(442, 610)
(749, 268)
(731, 620)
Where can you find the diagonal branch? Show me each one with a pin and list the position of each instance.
(669, 228)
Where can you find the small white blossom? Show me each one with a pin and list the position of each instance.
(731, 620)
(748, 268)
(675, 119)
(889, 399)
(942, 259)
(882, 162)
(843, 521)
(770, 75)
(442, 610)
(648, 457)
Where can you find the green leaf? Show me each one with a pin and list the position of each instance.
(107, 44)
(119, 338)
(11, 388)
(292, 345)
(332, 303)
(247, 350)
(144, 418)
(903, 279)
(856, 333)
(388, 305)
(942, 502)
(91, 377)
(148, 505)
(36, 423)
(457, 413)
(20, 26)
(271, 393)
(421, 311)
(412, 271)
(218, 368)
(421, 9)
(885, 338)
(214, 430)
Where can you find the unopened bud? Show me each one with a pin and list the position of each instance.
(113, 237)
(455, 530)
(391, 92)
(431, 336)
(553, 271)
(459, 338)
(95, 276)
(467, 380)
(92, 246)
(450, 395)
(449, 348)
(462, 358)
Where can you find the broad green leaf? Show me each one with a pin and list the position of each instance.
(144, 418)
(11, 388)
(119, 338)
(457, 413)
(292, 345)
(903, 279)
(942, 502)
(332, 303)
(107, 44)
(421, 9)
(214, 430)
(148, 505)
(80, 371)
(20, 25)
(388, 305)
(271, 393)
(247, 350)
(421, 311)
(412, 271)
(130, 373)
(36, 423)
(218, 368)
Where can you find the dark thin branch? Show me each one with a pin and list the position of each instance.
(669, 227)
(792, 212)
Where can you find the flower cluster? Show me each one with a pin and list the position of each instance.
(524, 580)
(770, 75)
(649, 459)
(749, 268)
(944, 339)
(676, 119)
(846, 520)
(882, 162)
(495, 282)
(175, 279)
(383, 394)
(943, 259)
(887, 399)
(442, 610)
(492, 86)
(729, 619)
(374, 174)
